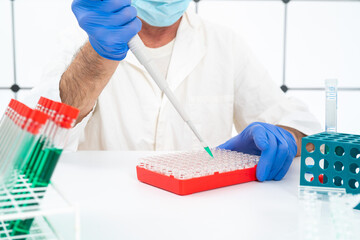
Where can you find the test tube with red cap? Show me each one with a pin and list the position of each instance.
(11, 126)
(32, 132)
(27, 125)
(51, 108)
(54, 145)
(6, 120)
(23, 113)
(8, 130)
(13, 137)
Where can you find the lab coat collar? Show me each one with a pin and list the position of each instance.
(187, 53)
(188, 50)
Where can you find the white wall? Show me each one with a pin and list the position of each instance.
(6, 59)
(323, 42)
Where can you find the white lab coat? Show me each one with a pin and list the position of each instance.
(214, 75)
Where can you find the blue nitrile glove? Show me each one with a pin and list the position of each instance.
(110, 24)
(276, 146)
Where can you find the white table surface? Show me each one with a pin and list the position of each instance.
(115, 205)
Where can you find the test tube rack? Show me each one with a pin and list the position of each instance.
(185, 173)
(331, 160)
(39, 206)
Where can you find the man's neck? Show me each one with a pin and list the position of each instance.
(154, 37)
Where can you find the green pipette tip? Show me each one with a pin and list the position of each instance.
(207, 149)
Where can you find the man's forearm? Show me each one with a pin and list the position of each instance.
(85, 78)
(298, 137)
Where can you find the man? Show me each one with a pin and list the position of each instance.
(209, 69)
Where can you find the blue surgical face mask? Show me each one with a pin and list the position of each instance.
(160, 13)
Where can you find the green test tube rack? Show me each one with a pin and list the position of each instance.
(36, 213)
(331, 160)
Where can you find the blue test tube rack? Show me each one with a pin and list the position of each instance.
(331, 160)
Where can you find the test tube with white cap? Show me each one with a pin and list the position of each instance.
(331, 105)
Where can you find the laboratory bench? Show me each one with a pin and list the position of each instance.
(113, 204)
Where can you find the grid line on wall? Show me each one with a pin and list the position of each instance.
(285, 45)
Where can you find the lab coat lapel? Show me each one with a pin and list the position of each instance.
(188, 50)
(187, 53)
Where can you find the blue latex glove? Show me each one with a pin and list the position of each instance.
(276, 146)
(110, 24)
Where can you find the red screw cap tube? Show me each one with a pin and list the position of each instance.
(67, 116)
(37, 120)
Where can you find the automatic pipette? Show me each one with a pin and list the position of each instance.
(138, 49)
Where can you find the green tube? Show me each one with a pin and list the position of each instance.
(46, 169)
(40, 177)
(18, 158)
(32, 158)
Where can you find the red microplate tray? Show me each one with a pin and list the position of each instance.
(193, 185)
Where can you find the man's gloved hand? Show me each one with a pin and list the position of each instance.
(276, 146)
(110, 24)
